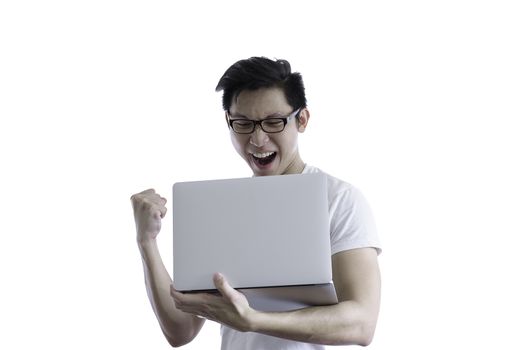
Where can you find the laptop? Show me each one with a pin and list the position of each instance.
(268, 235)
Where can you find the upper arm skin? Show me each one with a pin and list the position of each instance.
(356, 277)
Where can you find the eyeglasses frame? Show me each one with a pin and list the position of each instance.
(286, 119)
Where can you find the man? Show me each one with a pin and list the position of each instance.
(265, 109)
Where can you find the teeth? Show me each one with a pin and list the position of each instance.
(263, 155)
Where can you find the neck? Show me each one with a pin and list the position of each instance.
(295, 167)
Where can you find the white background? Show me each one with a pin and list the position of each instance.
(417, 103)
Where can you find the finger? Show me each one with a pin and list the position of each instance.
(177, 296)
(197, 308)
(155, 213)
(145, 192)
(144, 198)
(223, 287)
(163, 211)
(156, 200)
(148, 191)
(190, 299)
(153, 208)
(172, 291)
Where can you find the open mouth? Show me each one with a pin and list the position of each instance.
(263, 159)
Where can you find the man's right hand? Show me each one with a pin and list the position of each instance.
(178, 327)
(149, 208)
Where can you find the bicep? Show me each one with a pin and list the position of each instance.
(356, 276)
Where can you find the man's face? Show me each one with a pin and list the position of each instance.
(268, 153)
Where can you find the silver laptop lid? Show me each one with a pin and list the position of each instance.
(259, 232)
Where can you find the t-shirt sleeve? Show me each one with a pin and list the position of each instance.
(352, 224)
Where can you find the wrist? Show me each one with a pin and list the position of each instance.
(146, 243)
(149, 251)
(254, 320)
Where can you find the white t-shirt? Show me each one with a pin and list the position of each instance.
(351, 226)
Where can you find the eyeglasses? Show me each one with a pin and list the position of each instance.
(269, 125)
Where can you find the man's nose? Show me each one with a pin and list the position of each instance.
(258, 138)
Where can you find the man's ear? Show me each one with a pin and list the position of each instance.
(303, 119)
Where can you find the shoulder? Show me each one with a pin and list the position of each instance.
(352, 224)
(338, 190)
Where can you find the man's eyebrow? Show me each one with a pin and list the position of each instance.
(275, 115)
(236, 115)
(272, 115)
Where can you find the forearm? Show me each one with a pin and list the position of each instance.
(178, 327)
(342, 324)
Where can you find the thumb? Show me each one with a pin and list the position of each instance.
(223, 286)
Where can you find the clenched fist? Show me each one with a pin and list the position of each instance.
(149, 208)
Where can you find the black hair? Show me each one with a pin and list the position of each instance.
(261, 72)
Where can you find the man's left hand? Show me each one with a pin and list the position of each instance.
(230, 308)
